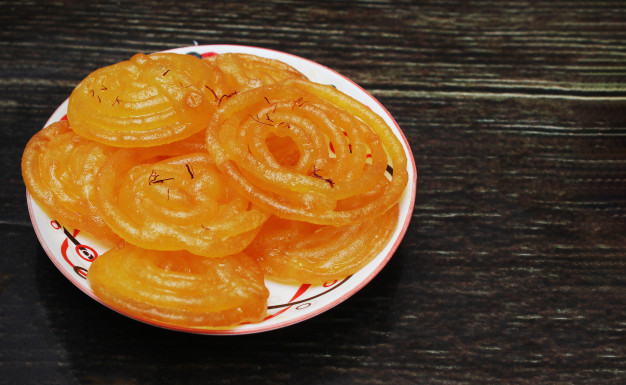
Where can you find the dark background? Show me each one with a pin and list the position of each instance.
(513, 269)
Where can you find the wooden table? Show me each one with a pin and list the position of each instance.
(513, 269)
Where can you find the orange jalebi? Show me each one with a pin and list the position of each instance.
(303, 252)
(172, 197)
(245, 71)
(59, 168)
(146, 101)
(350, 166)
(179, 288)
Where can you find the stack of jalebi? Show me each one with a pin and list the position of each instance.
(209, 175)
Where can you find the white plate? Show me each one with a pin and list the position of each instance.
(72, 251)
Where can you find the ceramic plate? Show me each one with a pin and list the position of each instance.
(72, 251)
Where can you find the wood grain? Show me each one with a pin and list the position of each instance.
(513, 269)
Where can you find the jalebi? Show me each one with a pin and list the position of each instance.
(146, 101)
(350, 166)
(172, 197)
(245, 71)
(303, 252)
(59, 168)
(179, 288)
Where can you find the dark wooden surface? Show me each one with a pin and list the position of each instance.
(513, 269)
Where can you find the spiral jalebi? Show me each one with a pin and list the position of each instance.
(59, 169)
(179, 288)
(244, 71)
(172, 197)
(296, 251)
(146, 101)
(350, 166)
